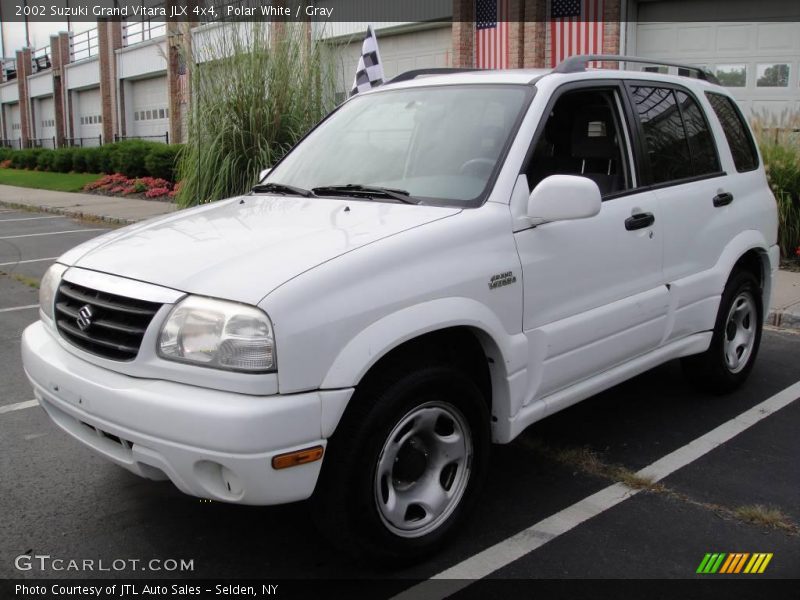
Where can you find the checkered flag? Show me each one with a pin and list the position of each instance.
(369, 72)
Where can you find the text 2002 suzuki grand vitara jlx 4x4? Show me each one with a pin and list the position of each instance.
(440, 263)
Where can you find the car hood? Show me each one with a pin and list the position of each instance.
(243, 248)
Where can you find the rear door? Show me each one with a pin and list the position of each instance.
(683, 168)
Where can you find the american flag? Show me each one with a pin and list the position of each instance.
(491, 34)
(576, 27)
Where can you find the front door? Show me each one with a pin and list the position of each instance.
(594, 295)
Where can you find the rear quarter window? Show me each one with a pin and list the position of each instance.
(741, 143)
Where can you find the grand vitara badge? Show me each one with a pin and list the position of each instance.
(502, 279)
(84, 317)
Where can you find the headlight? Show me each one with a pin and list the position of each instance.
(218, 334)
(48, 287)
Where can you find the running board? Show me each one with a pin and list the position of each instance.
(504, 432)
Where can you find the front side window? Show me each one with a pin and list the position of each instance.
(743, 148)
(440, 144)
(583, 135)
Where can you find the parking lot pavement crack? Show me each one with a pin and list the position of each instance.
(589, 462)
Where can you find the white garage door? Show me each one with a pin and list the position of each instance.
(759, 62)
(424, 49)
(149, 101)
(13, 126)
(88, 118)
(46, 121)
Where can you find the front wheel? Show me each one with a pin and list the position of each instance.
(405, 465)
(736, 339)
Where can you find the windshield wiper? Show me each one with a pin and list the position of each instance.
(281, 188)
(354, 189)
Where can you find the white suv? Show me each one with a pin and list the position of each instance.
(440, 263)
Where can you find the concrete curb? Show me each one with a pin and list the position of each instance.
(787, 318)
(74, 213)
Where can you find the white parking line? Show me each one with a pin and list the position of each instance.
(24, 262)
(29, 219)
(14, 237)
(18, 406)
(13, 308)
(507, 551)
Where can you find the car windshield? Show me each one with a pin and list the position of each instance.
(439, 144)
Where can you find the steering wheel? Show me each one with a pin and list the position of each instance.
(471, 165)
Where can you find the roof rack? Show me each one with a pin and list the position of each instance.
(409, 75)
(576, 64)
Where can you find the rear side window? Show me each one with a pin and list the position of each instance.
(741, 143)
(678, 141)
(701, 142)
(665, 138)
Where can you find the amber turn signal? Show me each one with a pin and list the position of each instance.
(298, 457)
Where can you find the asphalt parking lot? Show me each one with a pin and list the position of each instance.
(60, 499)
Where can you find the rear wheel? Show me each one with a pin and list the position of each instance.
(405, 465)
(736, 339)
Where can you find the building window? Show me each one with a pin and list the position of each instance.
(732, 75)
(160, 113)
(772, 75)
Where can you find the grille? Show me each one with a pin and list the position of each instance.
(116, 324)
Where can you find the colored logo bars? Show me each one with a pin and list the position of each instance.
(736, 562)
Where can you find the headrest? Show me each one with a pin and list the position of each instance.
(593, 134)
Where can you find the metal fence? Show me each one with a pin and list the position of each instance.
(9, 68)
(41, 59)
(135, 32)
(165, 137)
(83, 45)
(13, 144)
(83, 142)
(42, 142)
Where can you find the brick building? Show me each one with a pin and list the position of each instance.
(120, 80)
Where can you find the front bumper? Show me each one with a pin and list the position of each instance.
(209, 443)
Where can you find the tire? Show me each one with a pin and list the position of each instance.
(736, 339)
(415, 438)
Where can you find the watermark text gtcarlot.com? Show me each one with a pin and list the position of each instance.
(46, 562)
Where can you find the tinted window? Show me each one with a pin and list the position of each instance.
(665, 138)
(741, 143)
(701, 142)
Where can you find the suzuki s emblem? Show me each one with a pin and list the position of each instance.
(84, 317)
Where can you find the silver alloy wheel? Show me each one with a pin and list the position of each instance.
(423, 469)
(740, 332)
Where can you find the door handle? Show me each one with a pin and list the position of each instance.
(639, 221)
(723, 199)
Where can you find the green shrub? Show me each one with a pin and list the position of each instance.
(250, 107)
(5, 154)
(62, 162)
(129, 156)
(105, 156)
(25, 159)
(162, 161)
(45, 160)
(782, 164)
(79, 160)
(93, 159)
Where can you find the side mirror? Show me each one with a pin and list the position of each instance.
(263, 174)
(562, 198)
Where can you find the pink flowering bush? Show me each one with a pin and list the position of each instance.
(151, 187)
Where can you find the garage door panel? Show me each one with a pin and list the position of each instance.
(46, 119)
(88, 118)
(150, 107)
(741, 53)
(734, 38)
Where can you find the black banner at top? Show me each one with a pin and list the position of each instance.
(384, 11)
